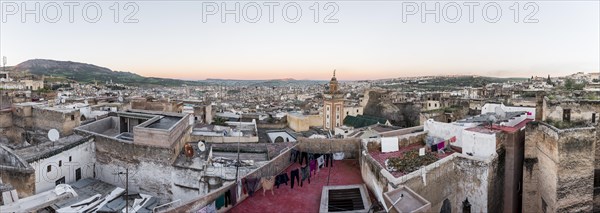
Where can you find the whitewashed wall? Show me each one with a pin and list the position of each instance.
(82, 156)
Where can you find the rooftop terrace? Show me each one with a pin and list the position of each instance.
(380, 157)
(306, 198)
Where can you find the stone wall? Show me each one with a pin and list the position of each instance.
(558, 169)
(16, 172)
(580, 110)
(64, 122)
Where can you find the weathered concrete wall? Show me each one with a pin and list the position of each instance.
(513, 176)
(576, 171)
(558, 169)
(149, 167)
(162, 137)
(350, 146)
(5, 118)
(298, 123)
(64, 122)
(22, 180)
(403, 140)
(16, 172)
(455, 178)
(580, 110)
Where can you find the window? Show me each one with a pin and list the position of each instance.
(596, 178)
(60, 181)
(594, 117)
(429, 104)
(327, 108)
(567, 115)
(77, 174)
(72, 117)
(48, 168)
(357, 111)
(70, 159)
(59, 163)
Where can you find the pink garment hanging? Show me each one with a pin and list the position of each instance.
(313, 165)
(441, 145)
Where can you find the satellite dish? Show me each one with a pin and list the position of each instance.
(53, 135)
(85, 101)
(62, 100)
(120, 99)
(500, 112)
(201, 146)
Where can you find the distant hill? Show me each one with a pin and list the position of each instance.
(88, 73)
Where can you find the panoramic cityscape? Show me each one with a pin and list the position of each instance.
(307, 106)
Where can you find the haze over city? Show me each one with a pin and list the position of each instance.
(370, 41)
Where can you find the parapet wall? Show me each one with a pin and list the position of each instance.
(455, 178)
(273, 167)
(350, 146)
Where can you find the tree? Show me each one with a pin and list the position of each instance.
(569, 83)
(219, 121)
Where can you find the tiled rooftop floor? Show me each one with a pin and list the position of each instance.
(381, 157)
(306, 198)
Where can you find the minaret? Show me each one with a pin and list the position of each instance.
(333, 106)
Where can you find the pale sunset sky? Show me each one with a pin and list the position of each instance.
(370, 41)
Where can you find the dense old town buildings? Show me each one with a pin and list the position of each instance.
(343, 146)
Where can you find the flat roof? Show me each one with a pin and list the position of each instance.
(49, 149)
(164, 123)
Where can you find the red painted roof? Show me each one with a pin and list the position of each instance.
(306, 198)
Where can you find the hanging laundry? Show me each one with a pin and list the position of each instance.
(338, 156)
(320, 161)
(252, 185)
(294, 154)
(233, 195)
(267, 184)
(313, 166)
(328, 160)
(453, 139)
(238, 188)
(220, 202)
(441, 145)
(295, 174)
(281, 179)
(305, 172)
(303, 156)
(227, 198)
